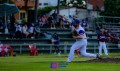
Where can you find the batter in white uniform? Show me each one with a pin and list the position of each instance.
(81, 43)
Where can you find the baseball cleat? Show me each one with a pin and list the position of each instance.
(59, 54)
(68, 60)
(98, 56)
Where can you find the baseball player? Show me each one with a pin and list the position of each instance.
(5, 51)
(81, 41)
(102, 42)
(1, 45)
(56, 42)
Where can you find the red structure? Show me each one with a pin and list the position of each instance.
(97, 4)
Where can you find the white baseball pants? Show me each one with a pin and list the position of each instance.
(102, 45)
(80, 44)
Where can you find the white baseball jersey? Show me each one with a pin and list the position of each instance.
(80, 31)
(6, 50)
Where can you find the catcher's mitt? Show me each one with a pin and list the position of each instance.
(74, 33)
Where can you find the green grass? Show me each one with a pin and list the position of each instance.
(42, 63)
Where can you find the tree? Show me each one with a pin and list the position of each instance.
(76, 3)
(26, 4)
(45, 10)
(63, 2)
(112, 8)
(3, 1)
(79, 2)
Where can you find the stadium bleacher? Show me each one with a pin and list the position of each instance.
(44, 44)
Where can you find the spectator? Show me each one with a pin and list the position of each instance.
(37, 30)
(56, 41)
(39, 19)
(48, 35)
(61, 22)
(13, 30)
(25, 31)
(74, 18)
(65, 23)
(44, 19)
(12, 25)
(31, 31)
(54, 17)
(18, 32)
(50, 21)
(70, 18)
(84, 23)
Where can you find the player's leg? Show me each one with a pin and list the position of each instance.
(72, 49)
(105, 49)
(84, 53)
(100, 48)
(83, 50)
(58, 50)
(55, 49)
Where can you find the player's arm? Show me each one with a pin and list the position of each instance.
(65, 18)
(80, 35)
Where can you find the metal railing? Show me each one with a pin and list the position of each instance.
(22, 47)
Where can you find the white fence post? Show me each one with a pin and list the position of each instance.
(50, 49)
(65, 48)
(20, 49)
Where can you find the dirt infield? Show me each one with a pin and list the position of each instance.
(115, 60)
